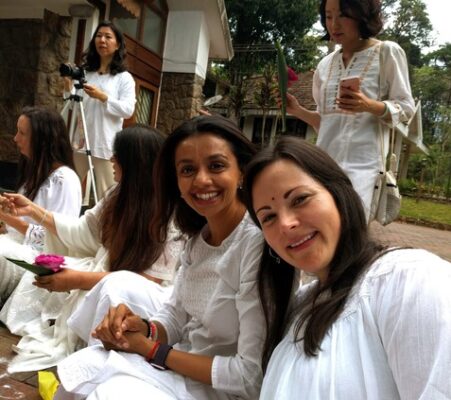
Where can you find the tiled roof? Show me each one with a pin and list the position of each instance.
(301, 89)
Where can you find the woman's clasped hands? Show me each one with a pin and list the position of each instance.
(122, 330)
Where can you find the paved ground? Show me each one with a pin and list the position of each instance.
(400, 234)
(23, 386)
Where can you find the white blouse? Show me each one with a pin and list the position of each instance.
(353, 140)
(60, 192)
(392, 340)
(104, 120)
(214, 310)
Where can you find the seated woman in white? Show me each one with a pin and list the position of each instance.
(214, 320)
(114, 235)
(376, 322)
(47, 177)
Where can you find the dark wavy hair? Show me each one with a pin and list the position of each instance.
(168, 199)
(354, 253)
(367, 13)
(125, 218)
(49, 147)
(91, 59)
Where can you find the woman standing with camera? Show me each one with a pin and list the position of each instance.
(111, 98)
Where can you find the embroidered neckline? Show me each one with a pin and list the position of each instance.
(344, 71)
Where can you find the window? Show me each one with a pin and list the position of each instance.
(143, 20)
(144, 106)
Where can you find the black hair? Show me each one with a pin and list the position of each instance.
(126, 215)
(91, 59)
(169, 202)
(367, 13)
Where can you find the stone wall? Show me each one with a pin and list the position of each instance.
(180, 99)
(30, 54)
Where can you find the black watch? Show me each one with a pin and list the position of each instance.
(159, 361)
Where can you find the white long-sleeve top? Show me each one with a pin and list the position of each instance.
(104, 120)
(392, 340)
(353, 140)
(41, 317)
(214, 310)
(61, 193)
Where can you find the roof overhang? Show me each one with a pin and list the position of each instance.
(32, 9)
(218, 25)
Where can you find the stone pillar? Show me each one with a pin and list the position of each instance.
(180, 99)
(30, 53)
(185, 62)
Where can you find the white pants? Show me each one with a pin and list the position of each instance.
(103, 171)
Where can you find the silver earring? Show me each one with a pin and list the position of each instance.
(274, 255)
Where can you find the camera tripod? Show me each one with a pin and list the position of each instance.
(75, 103)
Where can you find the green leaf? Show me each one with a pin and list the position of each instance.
(36, 269)
(283, 83)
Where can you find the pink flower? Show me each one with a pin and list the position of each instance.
(292, 76)
(50, 261)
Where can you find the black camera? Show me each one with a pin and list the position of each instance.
(72, 72)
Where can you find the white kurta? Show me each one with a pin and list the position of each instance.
(392, 340)
(214, 310)
(104, 120)
(60, 192)
(353, 139)
(30, 310)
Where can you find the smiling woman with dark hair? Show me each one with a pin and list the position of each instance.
(205, 343)
(375, 323)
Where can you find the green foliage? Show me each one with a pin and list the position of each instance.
(263, 95)
(254, 25)
(282, 76)
(410, 27)
(305, 53)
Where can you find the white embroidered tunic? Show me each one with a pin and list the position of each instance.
(60, 192)
(353, 139)
(214, 310)
(392, 340)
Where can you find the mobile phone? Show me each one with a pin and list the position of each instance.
(4, 190)
(350, 82)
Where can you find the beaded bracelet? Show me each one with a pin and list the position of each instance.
(149, 329)
(153, 330)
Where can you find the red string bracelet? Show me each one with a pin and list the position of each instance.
(152, 351)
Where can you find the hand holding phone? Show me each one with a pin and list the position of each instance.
(350, 83)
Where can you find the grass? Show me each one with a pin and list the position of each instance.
(426, 210)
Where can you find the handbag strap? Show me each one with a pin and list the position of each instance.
(381, 80)
(391, 147)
